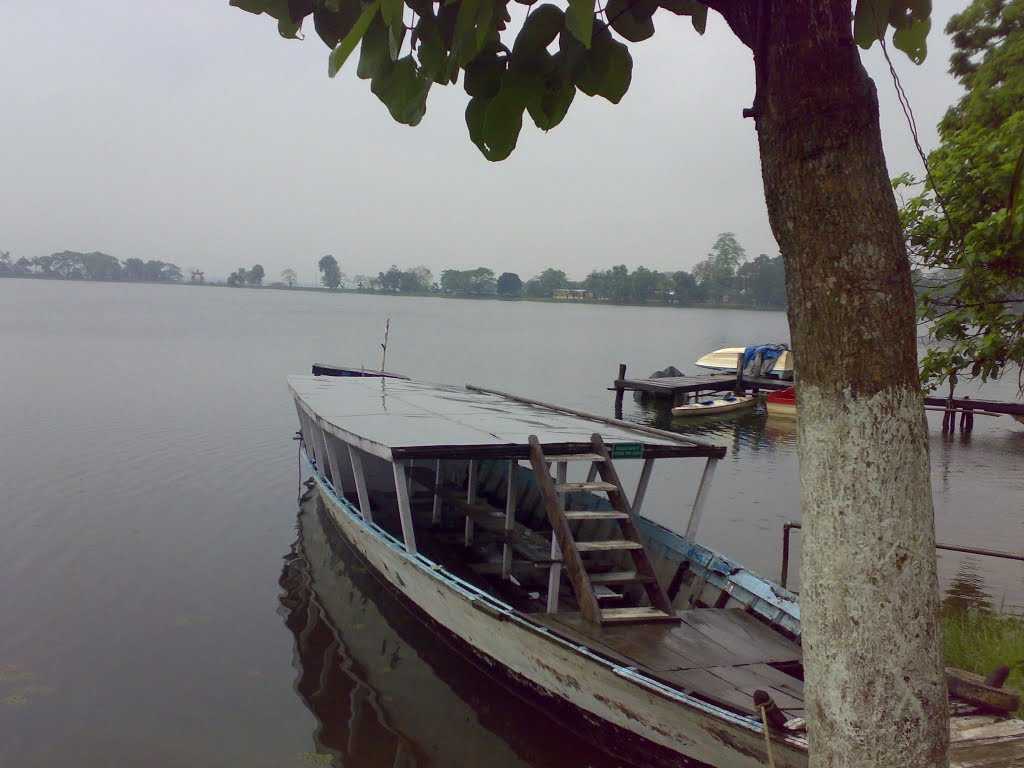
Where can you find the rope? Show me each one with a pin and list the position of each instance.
(767, 737)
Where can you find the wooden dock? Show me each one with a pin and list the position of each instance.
(679, 388)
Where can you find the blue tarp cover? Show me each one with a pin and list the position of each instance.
(759, 360)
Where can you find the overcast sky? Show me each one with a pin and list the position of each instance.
(190, 132)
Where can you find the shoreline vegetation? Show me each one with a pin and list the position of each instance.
(726, 279)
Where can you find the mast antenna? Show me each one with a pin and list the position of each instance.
(384, 346)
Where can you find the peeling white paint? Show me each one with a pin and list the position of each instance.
(872, 661)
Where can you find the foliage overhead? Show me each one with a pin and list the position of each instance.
(965, 227)
(533, 66)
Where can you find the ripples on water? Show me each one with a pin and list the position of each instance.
(147, 495)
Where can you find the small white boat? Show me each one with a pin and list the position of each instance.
(725, 360)
(708, 406)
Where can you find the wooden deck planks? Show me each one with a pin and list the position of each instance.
(999, 753)
(715, 657)
(739, 632)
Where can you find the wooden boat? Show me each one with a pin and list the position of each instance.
(709, 406)
(725, 360)
(652, 642)
(782, 403)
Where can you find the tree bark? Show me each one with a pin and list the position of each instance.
(876, 692)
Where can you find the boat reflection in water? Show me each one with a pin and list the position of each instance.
(387, 691)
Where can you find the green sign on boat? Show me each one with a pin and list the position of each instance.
(627, 451)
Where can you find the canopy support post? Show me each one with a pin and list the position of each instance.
(404, 507)
(700, 499)
(435, 515)
(332, 460)
(641, 486)
(360, 476)
(470, 499)
(510, 518)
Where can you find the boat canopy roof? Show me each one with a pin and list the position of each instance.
(399, 419)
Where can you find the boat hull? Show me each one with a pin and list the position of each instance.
(719, 406)
(593, 688)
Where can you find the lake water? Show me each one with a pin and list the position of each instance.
(155, 609)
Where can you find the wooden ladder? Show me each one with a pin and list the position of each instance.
(626, 539)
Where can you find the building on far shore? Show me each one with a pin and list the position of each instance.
(572, 294)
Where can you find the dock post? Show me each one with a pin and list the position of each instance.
(739, 374)
(966, 417)
(619, 390)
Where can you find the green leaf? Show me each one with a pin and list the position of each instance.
(913, 40)
(484, 23)
(332, 24)
(629, 20)
(396, 34)
(483, 76)
(475, 111)
(403, 90)
(374, 56)
(251, 6)
(539, 30)
(287, 26)
(580, 20)
(503, 121)
(430, 51)
(391, 12)
(699, 19)
(348, 44)
(870, 21)
(605, 70)
(299, 9)
(464, 46)
(554, 96)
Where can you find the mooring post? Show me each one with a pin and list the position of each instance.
(949, 417)
(619, 390)
(966, 416)
(739, 374)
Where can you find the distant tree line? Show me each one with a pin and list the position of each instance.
(726, 276)
(242, 276)
(72, 265)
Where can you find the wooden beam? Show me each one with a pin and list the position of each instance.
(561, 474)
(554, 576)
(520, 451)
(435, 515)
(332, 459)
(619, 391)
(641, 486)
(510, 517)
(700, 499)
(404, 507)
(973, 688)
(360, 476)
(470, 499)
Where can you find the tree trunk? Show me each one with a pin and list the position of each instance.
(872, 653)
